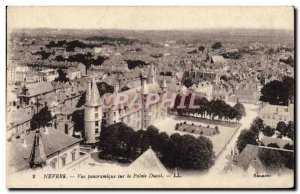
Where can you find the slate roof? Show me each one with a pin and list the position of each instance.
(18, 117)
(53, 141)
(249, 153)
(38, 88)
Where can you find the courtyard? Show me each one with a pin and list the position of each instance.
(219, 140)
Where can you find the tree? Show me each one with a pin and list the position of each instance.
(240, 109)
(117, 141)
(201, 48)
(257, 125)
(150, 138)
(125, 88)
(163, 142)
(268, 131)
(193, 153)
(273, 145)
(203, 107)
(216, 45)
(199, 153)
(275, 92)
(78, 119)
(41, 119)
(290, 130)
(288, 146)
(81, 100)
(289, 82)
(281, 128)
(246, 137)
(62, 76)
(233, 114)
(272, 159)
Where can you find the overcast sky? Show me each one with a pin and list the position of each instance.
(151, 18)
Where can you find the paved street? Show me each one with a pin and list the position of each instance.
(251, 111)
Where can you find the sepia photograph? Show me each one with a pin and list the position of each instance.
(150, 97)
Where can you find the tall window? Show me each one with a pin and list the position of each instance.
(97, 130)
(96, 109)
(73, 155)
(96, 115)
(97, 124)
(53, 164)
(63, 161)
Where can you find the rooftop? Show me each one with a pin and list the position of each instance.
(53, 141)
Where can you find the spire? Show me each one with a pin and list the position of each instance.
(151, 75)
(88, 92)
(151, 71)
(164, 83)
(37, 156)
(144, 89)
(94, 95)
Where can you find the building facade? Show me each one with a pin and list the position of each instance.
(137, 117)
(272, 114)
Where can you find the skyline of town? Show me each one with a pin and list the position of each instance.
(169, 106)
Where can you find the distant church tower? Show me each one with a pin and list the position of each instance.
(92, 113)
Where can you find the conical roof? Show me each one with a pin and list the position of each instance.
(144, 89)
(151, 71)
(164, 83)
(37, 156)
(94, 96)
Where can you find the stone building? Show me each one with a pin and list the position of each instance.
(112, 111)
(92, 113)
(44, 148)
(272, 114)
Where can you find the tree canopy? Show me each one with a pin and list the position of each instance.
(217, 45)
(120, 142)
(41, 119)
(246, 137)
(278, 92)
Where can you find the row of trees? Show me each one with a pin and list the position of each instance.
(284, 130)
(250, 136)
(276, 159)
(121, 142)
(209, 109)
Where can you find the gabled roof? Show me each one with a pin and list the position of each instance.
(248, 154)
(148, 161)
(258, 165)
